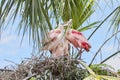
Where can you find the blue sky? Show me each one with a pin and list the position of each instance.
(10, 48)
(101, 35)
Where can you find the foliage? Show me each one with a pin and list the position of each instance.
(48, 69)
(41, 68)
(37, 17)
(118, 72)
(103, 69)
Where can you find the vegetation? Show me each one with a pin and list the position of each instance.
(40, 17)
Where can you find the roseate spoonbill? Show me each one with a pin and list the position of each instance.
(77, 39)
(56, 42)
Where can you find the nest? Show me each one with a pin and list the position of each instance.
(37, 68)
(41, 68)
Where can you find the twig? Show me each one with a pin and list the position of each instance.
(11, 61)
(6, 70)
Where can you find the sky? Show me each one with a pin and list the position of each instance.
(11, 51)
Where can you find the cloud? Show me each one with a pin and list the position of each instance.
(114, 62)
(8, 44)
(7, 39)
(109, 48)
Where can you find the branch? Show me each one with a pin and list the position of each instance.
(6, 70)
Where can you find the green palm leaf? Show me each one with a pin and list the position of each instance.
(101, 77)
(36, 17)
(115, 21)
(90, 26)
(33, 20)
(78, 11)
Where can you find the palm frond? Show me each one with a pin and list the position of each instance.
(33, 18)
(103, 22)
(101, 77)
(110, 57)
(90, 26)
(78, 11)
(115, 21)
(36, 16)
(102, 46)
